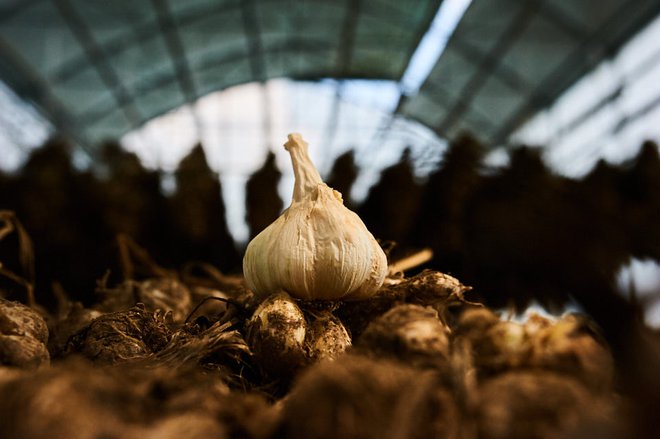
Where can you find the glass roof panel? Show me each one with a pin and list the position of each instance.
(484, 23)
(139, 64)
(589, 15)
(105, 128)
(435, 98)
(317, 21)
(497, 101)
(427, 109)
(384, 36)
(10, 5)
(41, 37)
(453, 72)
(160, 100)
(542, 39)
(222, 76)
(378, 62)
(182, 8)
(314, 64)
(213, 34)
(83, 92)
(111, 20)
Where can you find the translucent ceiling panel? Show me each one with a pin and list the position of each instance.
(84, 93)
(376, 61)
(462, 70)
(160, 100)
(427, 109)
(8, 6)
(451, 76)
(188, 7)
(111, 21)
(40, 35)
(539, 51)
(588, 14)
(473, 123)
(301, 41)
(385, 36)
(441, 91)
(317, 23)
(218, 76)
(213, 35)
(278, 63)
(312, 63)
(140, 63)
(485, 22)
(497, 101)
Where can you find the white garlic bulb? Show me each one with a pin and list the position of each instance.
(317, 248)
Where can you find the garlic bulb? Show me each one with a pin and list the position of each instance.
(276, 335)
(317, 248)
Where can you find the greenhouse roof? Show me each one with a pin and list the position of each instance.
(98, 70)
(508, 59)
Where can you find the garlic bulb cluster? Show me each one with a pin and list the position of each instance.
(317, 248)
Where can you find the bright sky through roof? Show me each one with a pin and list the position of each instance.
(22, 129)
(433, 44)
(236, 140)
(643, 278)
(607, 114)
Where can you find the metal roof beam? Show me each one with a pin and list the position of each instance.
(253, 37)
(432, 11)
(170, 33)
(508, 76)
(489, 64)
(563, 21)
(347, 37)
(257, 60)
(98, 60)
(342, 69)
(142, 33)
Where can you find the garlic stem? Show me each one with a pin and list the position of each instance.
(305, 173)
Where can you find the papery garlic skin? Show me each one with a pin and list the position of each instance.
(317, 248)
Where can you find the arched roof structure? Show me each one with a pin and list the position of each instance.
(101, 69)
